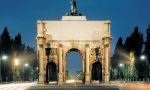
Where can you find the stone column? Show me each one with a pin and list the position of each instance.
(87, 74)
(107, 59)
(60, 75)
(41, 60)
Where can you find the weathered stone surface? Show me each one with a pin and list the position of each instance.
(74, 33)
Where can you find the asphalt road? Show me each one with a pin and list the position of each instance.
(74, 88)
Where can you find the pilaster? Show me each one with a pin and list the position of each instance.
(106, 42)
(41, 43)
(87, 74)
(60, 74)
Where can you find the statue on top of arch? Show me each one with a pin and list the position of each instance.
(73, 6)
(74, 11)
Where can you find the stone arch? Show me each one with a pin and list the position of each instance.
(80, 36)
(74, 49)
(83, 61)
(51, 72)
(96, 71)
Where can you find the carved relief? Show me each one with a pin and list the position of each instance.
(92, 52)
(53, 51)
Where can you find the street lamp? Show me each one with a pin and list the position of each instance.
(16, 62)
(37, 68)
(4, 57)
(24, 66)
(144, 58)
(121, 65)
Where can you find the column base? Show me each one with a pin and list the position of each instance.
(106, 78)
(40, 83)
(41, 78)
(60, 79)
(87, 79)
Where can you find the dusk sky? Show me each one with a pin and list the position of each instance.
(20, 16)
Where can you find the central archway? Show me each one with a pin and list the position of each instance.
(74, 66)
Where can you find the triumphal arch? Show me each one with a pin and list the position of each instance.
(55, 39)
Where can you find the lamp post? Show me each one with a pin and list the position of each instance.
(16, 64)
(144, 58)
(24, 66)
(4, 57)
(36, 72)
(121, 65)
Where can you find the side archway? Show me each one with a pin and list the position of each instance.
(96, 73)
(51, 72)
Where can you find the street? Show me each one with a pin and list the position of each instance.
(113, 86)
(132, 86)
(75, 88)
(16, 86)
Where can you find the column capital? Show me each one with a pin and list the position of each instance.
(87, 45)
(106, 41)
(41, 37)
(41, 45)
(60, 45)
(41, 41)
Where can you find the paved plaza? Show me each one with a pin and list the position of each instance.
(75, 88)
(112, 86)
(16, 86)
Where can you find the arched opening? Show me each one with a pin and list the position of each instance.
(96, 71)
(51, 72)
(74, 72)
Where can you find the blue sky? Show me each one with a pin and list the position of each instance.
(20, 16)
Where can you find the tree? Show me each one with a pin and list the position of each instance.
(31, 58)
(134, 44)
(147, 44)
(6, 49)
(147, 49)
(14, 48)
(117, 57)
(18, 47)
(5, 42)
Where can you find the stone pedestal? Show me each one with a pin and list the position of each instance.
(87, 78)
(106, 78)
(41, 78)
(60, 79)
